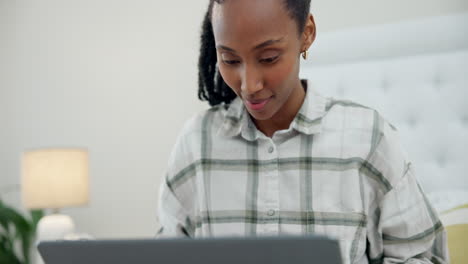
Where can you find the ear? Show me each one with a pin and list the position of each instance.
(309, 34)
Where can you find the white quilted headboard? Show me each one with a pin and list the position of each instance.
(416, 75)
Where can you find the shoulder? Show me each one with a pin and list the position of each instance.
(187, 148)
(209, 120)
(352, 116)
(366, 129)
(386, 157)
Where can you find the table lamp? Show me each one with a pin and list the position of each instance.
(55, 178)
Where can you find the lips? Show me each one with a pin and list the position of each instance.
(257, 105)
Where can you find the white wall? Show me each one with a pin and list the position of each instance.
(119, 77)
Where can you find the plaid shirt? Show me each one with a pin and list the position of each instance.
(338, 171)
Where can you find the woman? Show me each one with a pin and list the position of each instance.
(273, 157)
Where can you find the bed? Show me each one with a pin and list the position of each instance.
(415, 73)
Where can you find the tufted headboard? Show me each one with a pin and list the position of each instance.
(415, 74)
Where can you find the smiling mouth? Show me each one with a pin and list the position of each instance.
(257, 105)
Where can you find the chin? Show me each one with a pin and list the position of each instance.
(262, 115)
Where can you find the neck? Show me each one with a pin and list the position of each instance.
(283, 118)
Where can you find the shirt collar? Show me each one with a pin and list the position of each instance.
(308, 119)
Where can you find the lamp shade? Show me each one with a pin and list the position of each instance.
(55, 178)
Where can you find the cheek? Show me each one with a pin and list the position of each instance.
(230, 77)
(281, 74)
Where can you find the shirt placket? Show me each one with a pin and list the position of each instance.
(271, 208)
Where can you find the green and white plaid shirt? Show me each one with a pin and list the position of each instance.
(339, 170)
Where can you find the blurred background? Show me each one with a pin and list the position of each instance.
(120, 78)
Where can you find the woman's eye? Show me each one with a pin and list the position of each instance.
(230, 62)
(269, 60)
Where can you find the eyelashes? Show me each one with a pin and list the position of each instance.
(230, 62)
(269, 60)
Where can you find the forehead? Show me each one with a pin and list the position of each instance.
(246, 22)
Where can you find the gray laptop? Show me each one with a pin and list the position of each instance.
(271, 250)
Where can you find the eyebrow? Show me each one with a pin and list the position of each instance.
(259, 46)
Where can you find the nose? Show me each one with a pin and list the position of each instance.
(251, 81)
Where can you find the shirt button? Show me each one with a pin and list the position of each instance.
(271, 149)
(271, 212)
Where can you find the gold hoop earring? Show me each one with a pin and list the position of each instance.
(305, 54)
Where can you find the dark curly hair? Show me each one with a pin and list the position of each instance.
(211, 86)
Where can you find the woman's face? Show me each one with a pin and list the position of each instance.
(258, 47)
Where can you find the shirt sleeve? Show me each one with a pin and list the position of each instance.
(176, 204)
(404, 227)
(173, 217)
